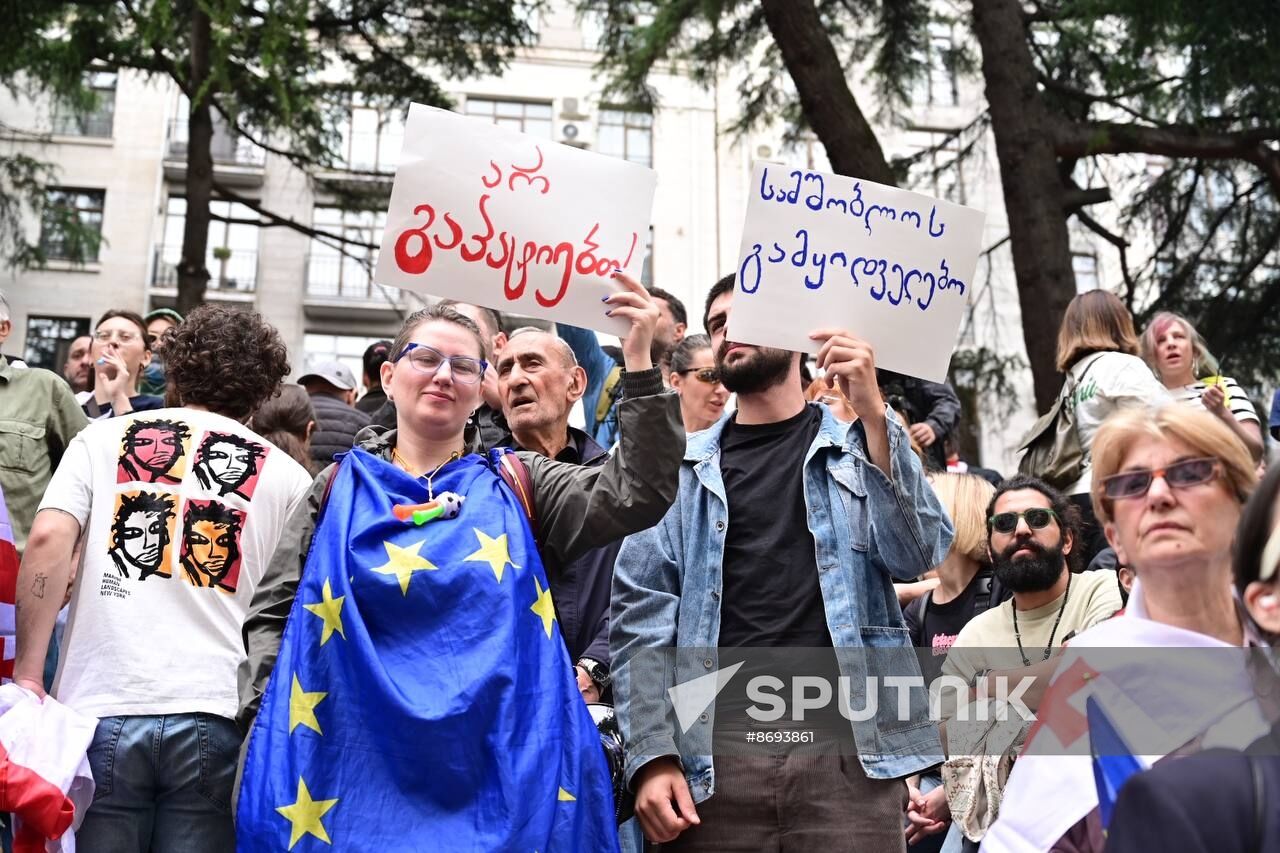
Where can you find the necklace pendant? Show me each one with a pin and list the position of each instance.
(446, 505)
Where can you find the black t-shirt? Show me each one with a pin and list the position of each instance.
(771, 595)
(934, 627)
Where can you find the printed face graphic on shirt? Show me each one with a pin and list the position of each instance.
(228, 464)
(141, 533)
(153, 452)
(211, 545)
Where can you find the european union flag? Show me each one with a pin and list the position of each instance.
(1113, 760)
(423, 698)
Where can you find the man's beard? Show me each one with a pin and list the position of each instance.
(660, 351)
(760, 370)
(1029, 574)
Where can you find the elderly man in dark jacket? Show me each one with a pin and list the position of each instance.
(540, 380)
(332, 388)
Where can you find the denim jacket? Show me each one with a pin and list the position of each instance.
(867, 531)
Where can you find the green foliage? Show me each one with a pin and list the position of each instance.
(1207, 63)
(1217, 261)
(705, 38)
(282, 72)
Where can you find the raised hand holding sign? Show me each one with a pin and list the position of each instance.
(894, 268)
(489, 216)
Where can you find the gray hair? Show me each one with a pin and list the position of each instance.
(4, 308)
(566, 351)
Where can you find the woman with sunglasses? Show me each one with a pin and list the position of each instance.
(696, 379)
(419, 574)
(1168, 486)
(121, 351)
(1159, 809)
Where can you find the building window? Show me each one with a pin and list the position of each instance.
(940, 85)
(232, 252)
(371, 137)
(936, 167)
(348, 349)
(96, 121)
(1085, 267)
(529, 117)
(626, 134)
(49, 340)
(338, 270)
(71, 224)
(226, 146)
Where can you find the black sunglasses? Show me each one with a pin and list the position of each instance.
(1037, 518)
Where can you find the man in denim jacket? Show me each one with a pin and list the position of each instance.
(787, 532)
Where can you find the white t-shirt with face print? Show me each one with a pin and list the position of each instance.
(180, 510)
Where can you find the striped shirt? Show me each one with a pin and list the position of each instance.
(1237, 401)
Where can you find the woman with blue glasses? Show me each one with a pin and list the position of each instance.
(421, 696)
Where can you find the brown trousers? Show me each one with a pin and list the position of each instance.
(796, 803)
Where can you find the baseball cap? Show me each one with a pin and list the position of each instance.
(335, 373)
(167, 313)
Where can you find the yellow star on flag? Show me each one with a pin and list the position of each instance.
(403, 562)
(302, 707)
(329, 609)
(495, 552)
(305, 815)
(565, 797)
(544, 607)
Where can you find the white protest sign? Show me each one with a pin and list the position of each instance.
(490, 216)
(893, 267)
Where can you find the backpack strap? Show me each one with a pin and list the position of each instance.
(982, 600)
(515, 474)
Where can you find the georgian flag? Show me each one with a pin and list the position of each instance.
(8, 594)
(1153, 682)
(44, 772)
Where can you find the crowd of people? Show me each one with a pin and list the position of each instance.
(411, 609)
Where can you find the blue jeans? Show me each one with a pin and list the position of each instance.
(162, 784)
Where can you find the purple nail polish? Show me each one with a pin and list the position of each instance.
(608, 313)
(604, 299)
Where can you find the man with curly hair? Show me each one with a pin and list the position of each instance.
(156, 662)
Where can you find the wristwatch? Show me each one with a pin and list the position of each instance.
(596, 671)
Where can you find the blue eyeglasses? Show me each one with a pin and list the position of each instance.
(425, 359)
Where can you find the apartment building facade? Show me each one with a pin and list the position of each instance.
(122, 170)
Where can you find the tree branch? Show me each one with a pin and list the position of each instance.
(275, 219)
(1074, 198)
(1121, 244)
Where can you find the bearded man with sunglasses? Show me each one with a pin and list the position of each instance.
(1033, 533)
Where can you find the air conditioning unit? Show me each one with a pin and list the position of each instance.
(569, 110)
(579, 134)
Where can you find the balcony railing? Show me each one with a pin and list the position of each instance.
(227, 146)
(235, 273)
(343, 278)
(370, 151)
(97, 124)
